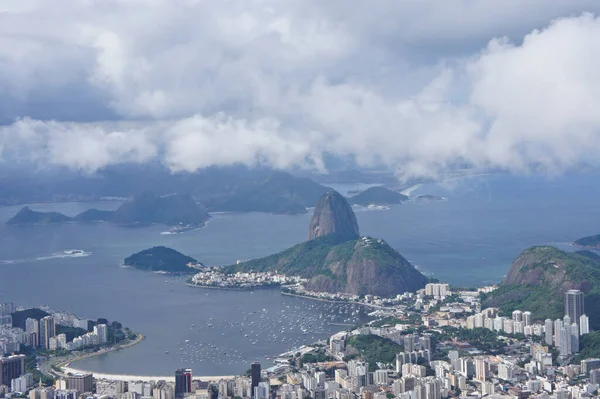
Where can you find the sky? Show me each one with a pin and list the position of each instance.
(416, 86)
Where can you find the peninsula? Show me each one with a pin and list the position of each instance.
(336, 259)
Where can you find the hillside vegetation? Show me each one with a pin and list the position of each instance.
(539, 278)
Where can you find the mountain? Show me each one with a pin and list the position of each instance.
(172, 210)
(95, 215)
(333, 215)
(539, 278)
(146, 208)
(591, 242)
(335, 259)
(279, 193)
(378, 196)
(161, 259)
(28, 216)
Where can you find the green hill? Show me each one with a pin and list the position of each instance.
(28, 216)
(591, 242)
(539, 278)
(161, 259)
(378, 196)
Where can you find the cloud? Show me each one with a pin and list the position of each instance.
(415, 86)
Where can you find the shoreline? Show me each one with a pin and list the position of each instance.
(64, 364)
(145, 378)
(333, 301)
(232, 288)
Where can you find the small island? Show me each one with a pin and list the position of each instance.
(591, 242)
(378, 196)
(163, 259)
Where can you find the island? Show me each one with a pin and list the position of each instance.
(591, 242)
(540, 276)
(162, 259)
(178, 210)
(337, 260)
(28, 216)
(378, 195)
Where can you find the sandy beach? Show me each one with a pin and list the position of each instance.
(125, 377)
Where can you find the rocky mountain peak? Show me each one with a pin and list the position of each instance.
(333, 215)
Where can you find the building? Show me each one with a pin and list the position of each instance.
(183, 382)
(549, 332)
(22, 383)
(80, 382)
(101, 330)
(255, 375)
(574, 305)
(584, 325)
(32, 327)
(587, 365)
(11, 367)
(517, 315)
(527, 318)
(47, 331)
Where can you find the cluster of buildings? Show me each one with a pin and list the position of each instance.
(214, 277)
(43, 333)
(562, 333)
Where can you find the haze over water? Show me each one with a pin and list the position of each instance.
(470, 239)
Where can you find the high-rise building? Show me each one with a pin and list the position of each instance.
(558, 324)
(80, 382)
(548, 330)
(11, 367)
(183, 382)
(32, 326)
(587, 365)
(482, 369)
(47, 331)
(255, 375)
(101, 330)
(409, 343)
(527, 318)
(517, 315)
(584, 325)
(574, 305)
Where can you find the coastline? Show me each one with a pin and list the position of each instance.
(232, 288)
(333, 301)
(63, 363)
(127, 377)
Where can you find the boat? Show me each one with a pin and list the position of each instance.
(74, 252)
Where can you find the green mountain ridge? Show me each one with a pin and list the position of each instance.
(539, 278)
(592, 242)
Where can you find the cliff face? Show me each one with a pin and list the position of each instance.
(367, 266)
(333, 215)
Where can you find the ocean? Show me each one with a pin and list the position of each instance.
(470, 239)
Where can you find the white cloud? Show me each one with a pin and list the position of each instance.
(412, 85)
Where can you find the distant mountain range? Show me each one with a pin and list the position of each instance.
(337, 259)
(146, 208)
(540, 276)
